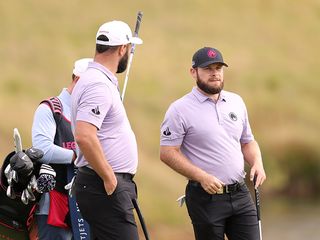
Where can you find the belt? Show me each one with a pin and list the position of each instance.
(235, 187)
(89, 171)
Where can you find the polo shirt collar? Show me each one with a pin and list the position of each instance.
(65, 95)
(105, 70)
(202, 98)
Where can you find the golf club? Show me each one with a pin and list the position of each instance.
(139, 18)
(143, 225)
(257, 199)
(17, 140)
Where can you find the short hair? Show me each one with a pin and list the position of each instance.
(103, 48)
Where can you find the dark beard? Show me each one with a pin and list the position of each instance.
(122, 66)
(207, 89)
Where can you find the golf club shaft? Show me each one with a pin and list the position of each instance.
(136, 31)
(260, 230)
(143, 225)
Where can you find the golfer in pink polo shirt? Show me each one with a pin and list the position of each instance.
(206, 137)
(107, 148)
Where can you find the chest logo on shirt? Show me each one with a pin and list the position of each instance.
(167, 132)
(233, 116)
(96, 110)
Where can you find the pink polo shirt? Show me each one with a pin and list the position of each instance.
(96, 100)
(210, 134)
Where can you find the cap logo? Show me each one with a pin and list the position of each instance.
(211, 53)
(127, 37)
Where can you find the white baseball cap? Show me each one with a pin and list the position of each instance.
(81, 65)
(118, 33)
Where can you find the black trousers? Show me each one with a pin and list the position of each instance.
(233, 214)
(110, 217)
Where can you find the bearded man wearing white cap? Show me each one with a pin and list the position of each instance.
(108, 158)
(51, 132)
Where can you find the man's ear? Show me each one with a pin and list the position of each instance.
(75, 79)
(193, 73)
(123, 49)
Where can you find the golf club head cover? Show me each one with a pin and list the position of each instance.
(34, 154)
(22, 164)
(46, 180)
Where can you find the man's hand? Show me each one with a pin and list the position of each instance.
(111, 184)
(211, 184)
(258, 171)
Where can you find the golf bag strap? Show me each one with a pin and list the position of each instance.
(56, 107)
(79, 226)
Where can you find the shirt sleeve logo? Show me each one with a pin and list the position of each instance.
(233, 116)
(96, 110)
(167, 132)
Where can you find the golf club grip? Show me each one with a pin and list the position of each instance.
(136, 31)
(139, 19)
(257, 195)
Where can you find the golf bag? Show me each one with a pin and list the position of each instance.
(16, 217)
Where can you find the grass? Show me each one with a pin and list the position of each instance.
(270, 46)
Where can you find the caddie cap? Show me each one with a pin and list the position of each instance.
(81, 66)
(118, 33)
(206, 56)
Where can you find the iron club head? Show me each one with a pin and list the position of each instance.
(24, 198)
(14, 176)
(10, 193)
(29, 194)
(7, 171)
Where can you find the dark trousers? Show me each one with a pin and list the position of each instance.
(233, 214)
(110, 217)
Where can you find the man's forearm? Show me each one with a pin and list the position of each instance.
(252, 154)
(178, 162)
(43, 133)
